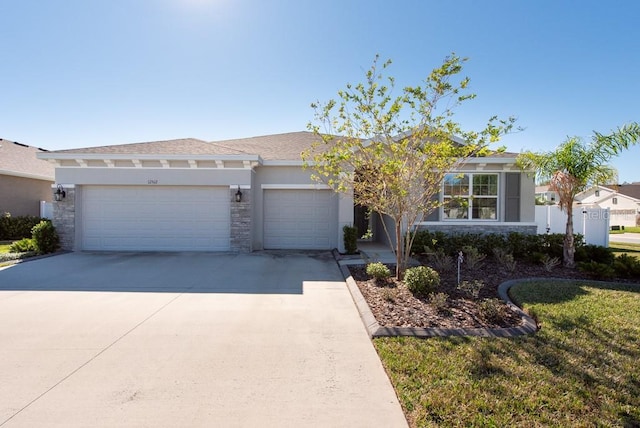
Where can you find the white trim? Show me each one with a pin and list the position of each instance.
(242, 187)
(296, 186)
(65, 186)
(475, 223)
(285, 163)
(131, 156)
(26, 175)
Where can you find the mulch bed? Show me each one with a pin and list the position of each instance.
(393, 305)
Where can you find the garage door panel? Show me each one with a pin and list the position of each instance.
(300, 219)
(169, 218)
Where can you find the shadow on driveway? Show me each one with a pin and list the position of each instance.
(266, 272)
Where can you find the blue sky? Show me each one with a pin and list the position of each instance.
(79, 73)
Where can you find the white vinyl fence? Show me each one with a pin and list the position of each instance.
(46, 209)
(593, 223)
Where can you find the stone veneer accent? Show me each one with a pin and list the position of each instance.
(64, 215)
(241, 221)
(504, 229)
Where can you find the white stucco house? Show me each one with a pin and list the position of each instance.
(624, 209)
(247, 194)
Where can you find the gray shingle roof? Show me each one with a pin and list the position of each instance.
(21, 159)
(270, 147)
(183, 146)
(286, 147)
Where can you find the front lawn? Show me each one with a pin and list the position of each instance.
(625, 248)
(4, 246)
(580, 369)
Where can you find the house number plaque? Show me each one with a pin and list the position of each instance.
(152, 181)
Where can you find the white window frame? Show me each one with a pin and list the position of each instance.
(471, 197)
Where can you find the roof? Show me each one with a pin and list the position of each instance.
(276, 147)
(20, 160)
(287, 146)
(628, 189)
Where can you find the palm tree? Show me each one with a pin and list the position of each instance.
(575, 165)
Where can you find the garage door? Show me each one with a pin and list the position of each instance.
(158, 218)
(300, 219)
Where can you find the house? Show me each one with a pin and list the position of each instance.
(545, 196)
(25, 180)
(624, 209)
(243, 195)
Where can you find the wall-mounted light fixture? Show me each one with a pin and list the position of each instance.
(238, 195)
(59, 194)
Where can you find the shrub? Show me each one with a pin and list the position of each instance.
(378, 271)
(473, 257)
(597, 270)
(549, 262)
(627, 266)
(594, 253)
(472, 288)
(23, 246)
(421, 280)
(45, 237)
(492, 310)
(504, 259)
(439, 301)
(350, 238)
(19, 227)
(441, 261)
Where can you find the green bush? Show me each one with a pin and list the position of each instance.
(350, 238)
(597, 270)
(472, 288)
(492, 310)
(45, 237)
(421, 280)
(23, 246)
(594, 253)
(627, 266)
(378, 271)
(439, 302)
(12, 228)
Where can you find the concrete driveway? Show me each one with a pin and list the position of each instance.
(184, 340)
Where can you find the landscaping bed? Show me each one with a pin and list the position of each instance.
(393, 305)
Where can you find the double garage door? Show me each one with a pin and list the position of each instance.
(197, 218)
(157, 218)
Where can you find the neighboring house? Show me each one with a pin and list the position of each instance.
(245, 194)
(25, 180)
(545, 196)
(624, 210)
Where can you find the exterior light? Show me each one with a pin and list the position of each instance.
(238, 195)
(59, 194)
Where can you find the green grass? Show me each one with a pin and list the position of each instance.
(626, 230)
(4, 246)
(625, 248)
(580, 369)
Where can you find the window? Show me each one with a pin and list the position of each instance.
(614, 201)
(470, 196)
(597, 193)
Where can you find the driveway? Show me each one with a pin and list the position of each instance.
(184, 340)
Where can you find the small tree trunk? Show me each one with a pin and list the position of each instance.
(399, 258)
(568, 248)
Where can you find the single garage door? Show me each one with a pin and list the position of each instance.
(155, 218)
(300, 219)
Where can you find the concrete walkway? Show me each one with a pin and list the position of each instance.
(184, 340)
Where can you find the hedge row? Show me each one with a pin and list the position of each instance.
(19, 227)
